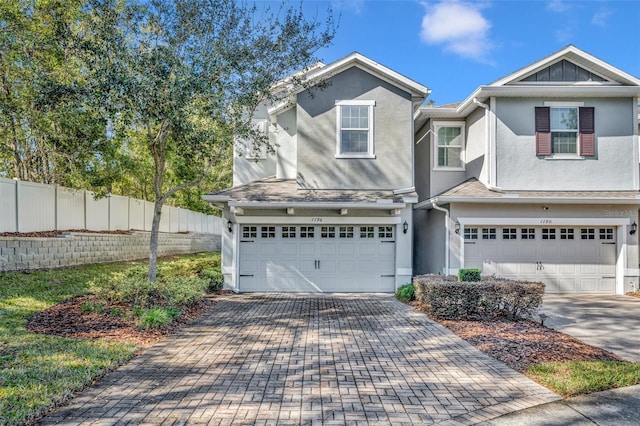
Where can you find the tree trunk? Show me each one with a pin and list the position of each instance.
(153, 244)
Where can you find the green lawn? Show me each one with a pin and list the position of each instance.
(37, 372)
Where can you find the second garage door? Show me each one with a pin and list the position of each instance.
(566, 259)
(314, 258)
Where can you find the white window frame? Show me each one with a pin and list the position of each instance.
(370, 145)
(261, 152)
(565, 156)
(437, 125)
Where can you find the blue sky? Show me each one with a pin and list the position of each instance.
(453, 47)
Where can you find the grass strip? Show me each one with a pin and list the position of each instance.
(573, 378)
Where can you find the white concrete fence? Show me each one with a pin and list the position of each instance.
(33, 207)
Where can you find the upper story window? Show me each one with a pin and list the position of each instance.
(355, 129)
(449, 145)
(565, 130)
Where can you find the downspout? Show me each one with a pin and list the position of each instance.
(446, 236)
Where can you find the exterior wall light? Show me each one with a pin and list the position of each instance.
(229, 226)
(457, 227)
(405, 227)
(634, 228)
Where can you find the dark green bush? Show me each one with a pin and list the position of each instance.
(445, 297)
(214, 278)
(469, 275)
(156, 318)
(406, 293)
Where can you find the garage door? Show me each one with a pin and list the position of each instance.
(313, 258)
(566, 259)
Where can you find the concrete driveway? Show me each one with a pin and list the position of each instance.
(608, 321)
(301, 359)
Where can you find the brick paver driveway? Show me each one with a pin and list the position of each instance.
(292, 359)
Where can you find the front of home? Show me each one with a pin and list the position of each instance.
(535, 176)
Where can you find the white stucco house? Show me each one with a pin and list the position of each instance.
(535, 176)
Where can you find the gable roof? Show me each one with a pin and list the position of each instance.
(578, 57)
(474, 191)
(616, 83)
(322, 72)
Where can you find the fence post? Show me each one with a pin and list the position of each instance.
(17, 205)
(84, 205)
(55, 206)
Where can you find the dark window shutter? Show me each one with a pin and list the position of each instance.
(587, 131)
(543, 131)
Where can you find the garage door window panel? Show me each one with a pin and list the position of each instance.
(307, 232)
(367, 232)
(470, 233)
(327, 232)
(249, 232)
(385, 232)
(346, 232)
(489, 233)
(548, 234)
(528, 234)
(566, 234)
(268, 232)
(288, 232)
(606, 234)
(509, 233)
(588, 234)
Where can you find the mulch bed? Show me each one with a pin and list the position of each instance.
(114, 322)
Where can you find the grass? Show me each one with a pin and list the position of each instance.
(581, 377)
(38, 372)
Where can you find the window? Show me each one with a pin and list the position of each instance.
(548, 234)
(307, 232)
(367, 232)
(488, 233)
(288, 232)
(606, 233)
(565, 130)
(470, 233)
(566, 234)
(509, 233)
(385, 231)
(249, 232)
(355, 129)
(528, 234)
(588, 234)
(449, 144)
(346, 232)
(327, 232)
(268, 232)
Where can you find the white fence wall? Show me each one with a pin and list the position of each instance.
(33, 207)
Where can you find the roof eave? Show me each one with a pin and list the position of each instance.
(510, 199)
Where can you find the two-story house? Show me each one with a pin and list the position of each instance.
(534, 177)
(331, 209)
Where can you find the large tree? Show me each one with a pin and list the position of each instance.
(181, 79)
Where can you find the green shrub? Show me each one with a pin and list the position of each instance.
(214, 278)
(180, 291)
(91, 307)
(406, 293)
(156, 318)
(444, 297)
(469, 275)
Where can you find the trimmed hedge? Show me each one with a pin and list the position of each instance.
(445, 297)
(468, 275)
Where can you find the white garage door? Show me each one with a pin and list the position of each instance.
(566, 259)
(326, 258)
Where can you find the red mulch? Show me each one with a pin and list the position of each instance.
(633, 293)
(67, 319)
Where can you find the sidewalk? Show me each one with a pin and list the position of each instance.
(612, 407)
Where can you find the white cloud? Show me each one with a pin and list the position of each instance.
(353, 6)
(600, 17)
(558, 6)
(460, 27)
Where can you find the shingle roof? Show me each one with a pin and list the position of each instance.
(473, 189)
(286, 190)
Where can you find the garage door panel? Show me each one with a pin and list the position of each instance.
(569, 259)
(317, 259)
